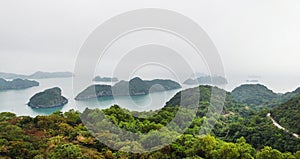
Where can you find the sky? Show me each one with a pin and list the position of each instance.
(253, 37)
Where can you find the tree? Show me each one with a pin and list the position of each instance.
(297, 155)
(269, 153)
(228, 151)
(245, 150)
(205, 146)
(69, 151)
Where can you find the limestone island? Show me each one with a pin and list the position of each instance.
(48, 99)
(134, 87)
(17, 84)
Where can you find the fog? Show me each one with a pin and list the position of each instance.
(257, 37)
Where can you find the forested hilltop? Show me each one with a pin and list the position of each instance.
(239, 133)
(259, 96)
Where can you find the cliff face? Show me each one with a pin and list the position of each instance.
(48, 99)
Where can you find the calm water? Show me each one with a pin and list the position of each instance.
(15, 100)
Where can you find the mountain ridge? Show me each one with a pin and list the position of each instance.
(36, 75)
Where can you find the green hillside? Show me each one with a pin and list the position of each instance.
(254, 94)
(258, 96)
(288, 114)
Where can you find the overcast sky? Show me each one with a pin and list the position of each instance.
(260, 37)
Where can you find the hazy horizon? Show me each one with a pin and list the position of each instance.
(252, 37)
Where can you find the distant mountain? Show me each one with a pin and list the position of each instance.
(134, 87)
(48, 99)
(40, 75)
(16, 84)
(11, 75)
(105, 79)
(288, 114)
(215, 80)
(37, 75)
(258, 96)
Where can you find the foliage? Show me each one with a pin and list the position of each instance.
(288, 115)
(239, 133)
(254, 94)
(258, 96)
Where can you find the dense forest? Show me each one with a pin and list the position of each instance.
(258, 96)
(239, 133)
(288, 114)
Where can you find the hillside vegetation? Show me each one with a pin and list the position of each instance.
(62, 135)
(288, 115)
(258, 96)
(239, 133)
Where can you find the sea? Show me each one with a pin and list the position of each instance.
(15, 101)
